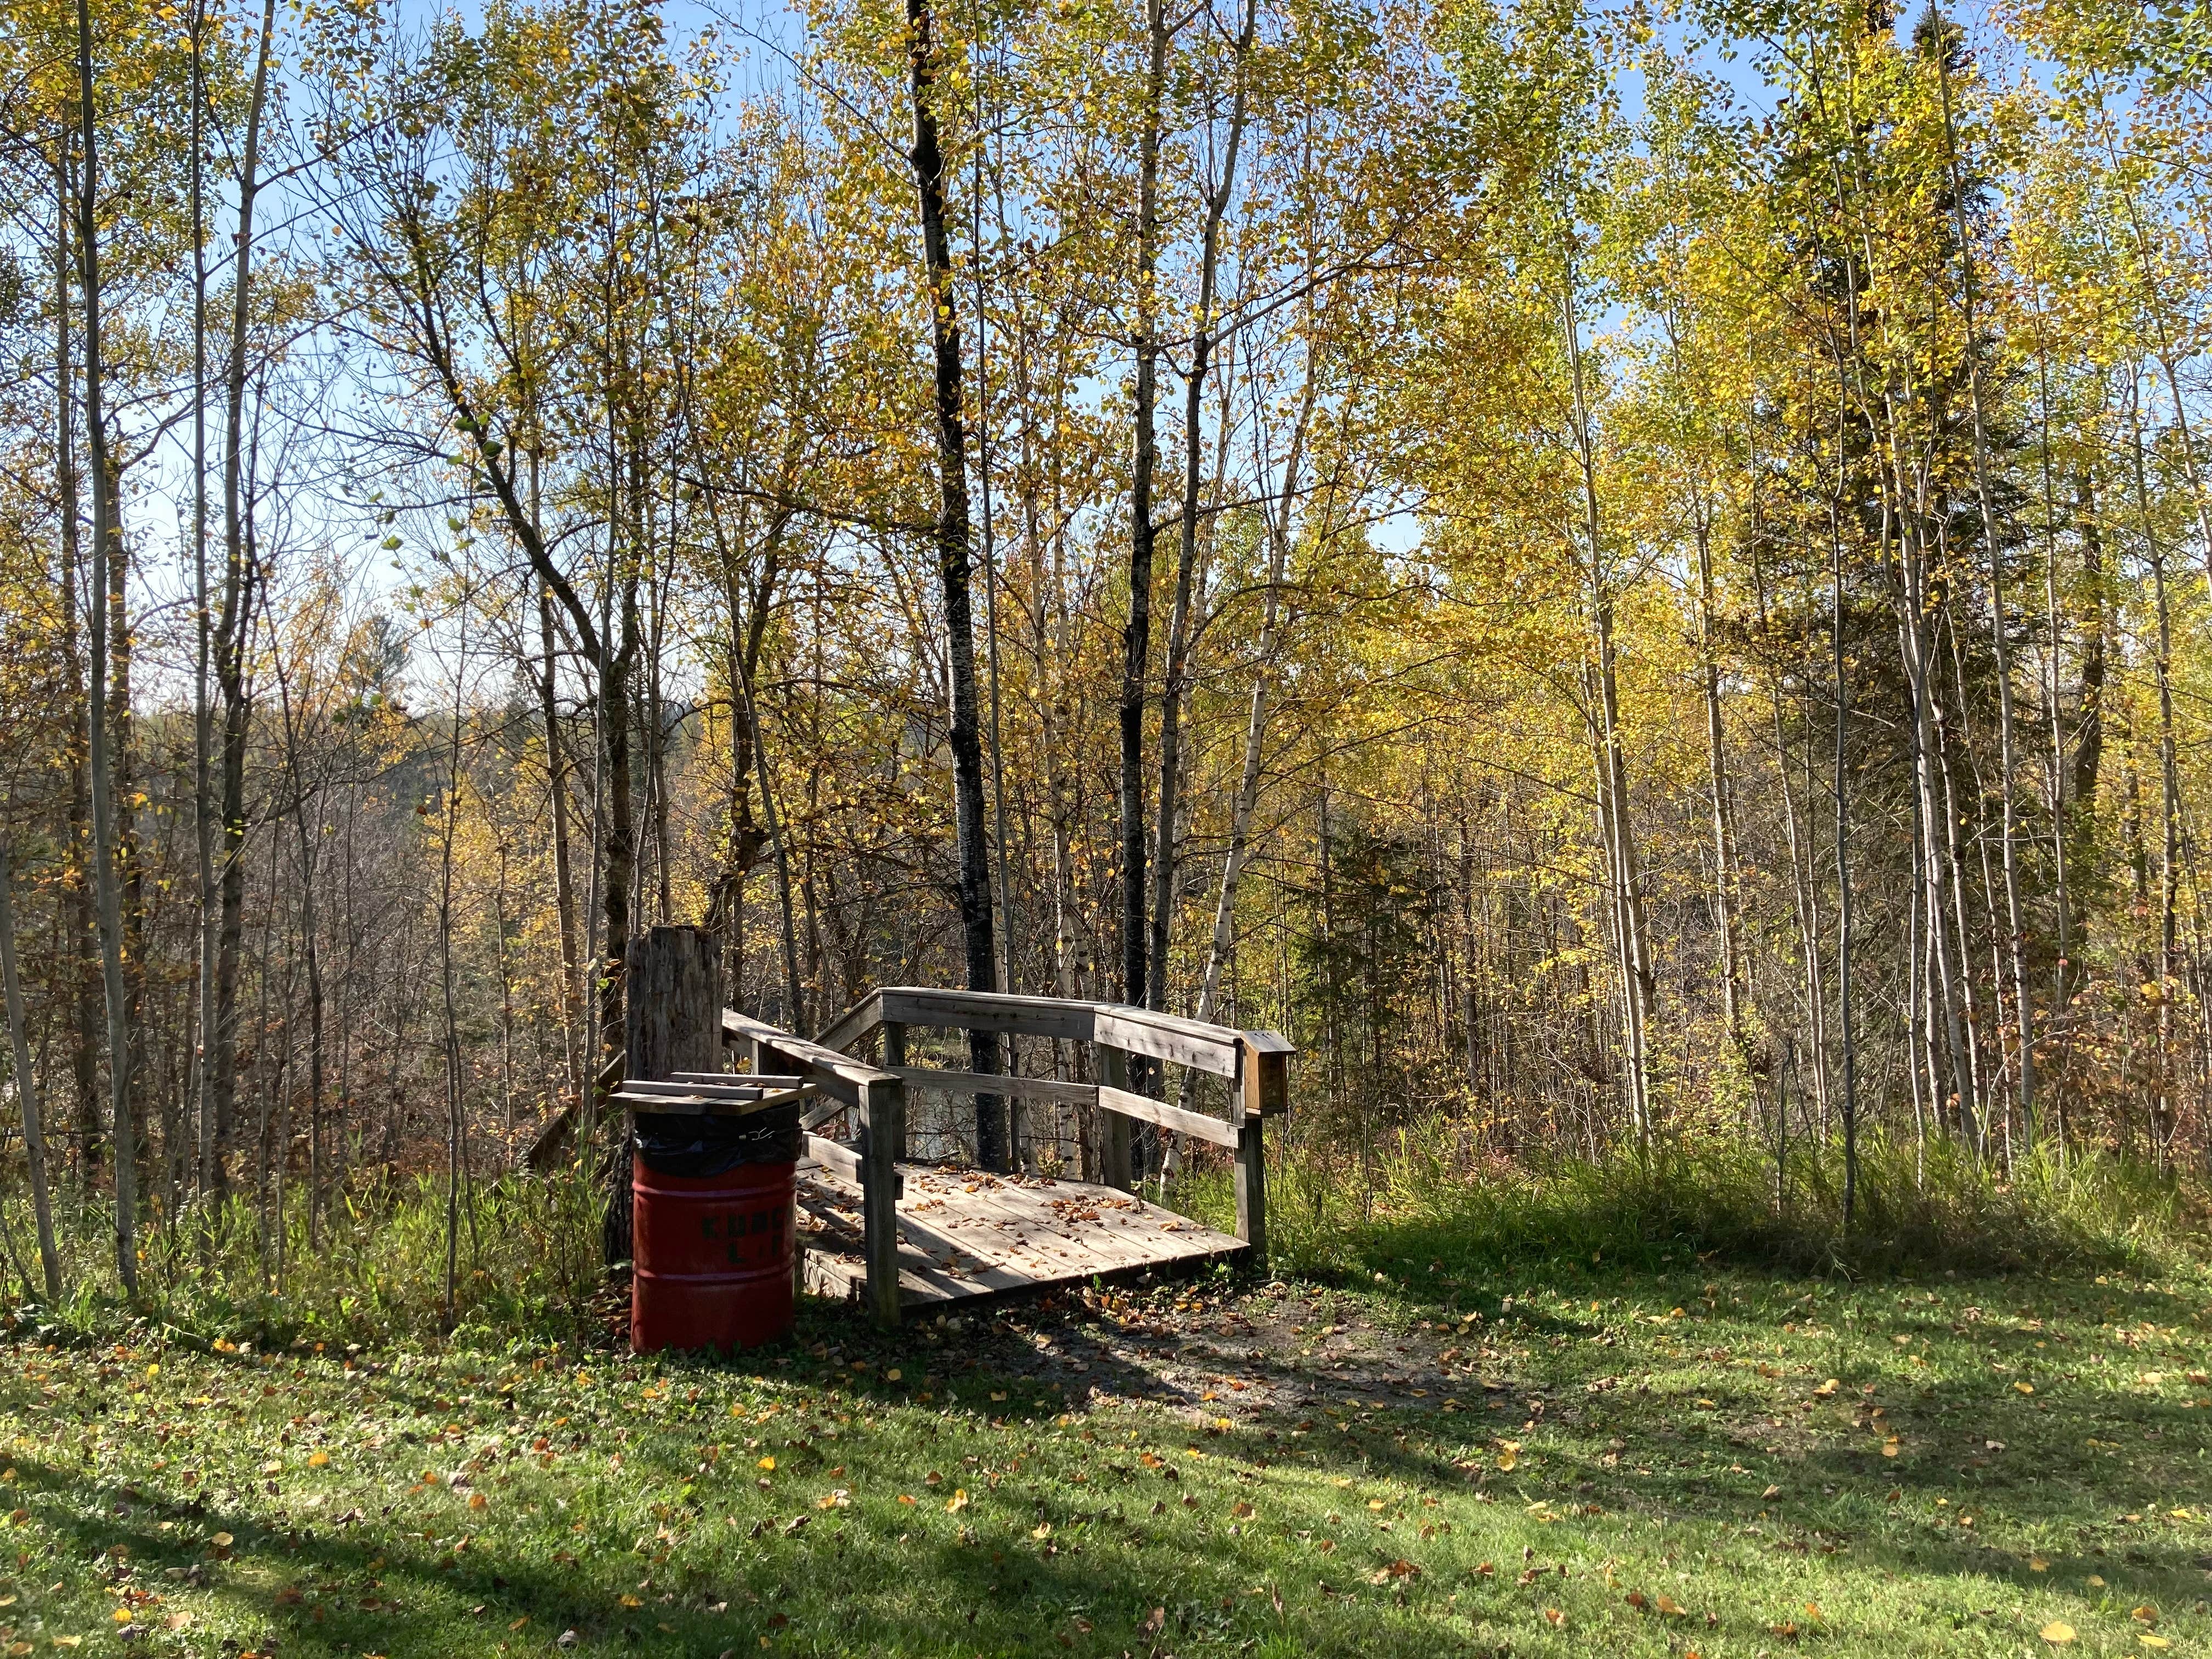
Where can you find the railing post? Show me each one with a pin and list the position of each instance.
(882, 1132)
(1113, 1128)
(1252, 1189)
(1263, 1091)
(895, 1057)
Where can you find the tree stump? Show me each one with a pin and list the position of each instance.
(672, 1022)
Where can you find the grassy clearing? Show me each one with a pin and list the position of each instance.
(1524, 1463)
(1418, 1200)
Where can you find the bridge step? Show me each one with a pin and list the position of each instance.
(963, 1233)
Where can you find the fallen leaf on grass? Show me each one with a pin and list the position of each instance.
(958, 1502)
(2145, 1614)
(2150, 1641)
(1554, 1618)
(2057, 1632)
(1670, 1607)
(320, 1460)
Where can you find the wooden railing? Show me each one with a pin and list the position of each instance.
(1256, 1064)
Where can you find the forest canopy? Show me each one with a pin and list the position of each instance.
(1628, 576)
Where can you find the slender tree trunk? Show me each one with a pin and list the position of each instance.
(564, 877)
(2055, 630)
(233, 629)
(2015, 928)
(1617, 828)
(973, 848)
(2164, 1110)
(452, 1039)
(106, 544)
(1136, 639)
(203, 826)
(1204, 337)
(1846, 1031)
(1725, 859)
(83, 927)
(1256, 724)
(26, 1087)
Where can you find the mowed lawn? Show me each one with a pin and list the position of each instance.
(1592, 1462)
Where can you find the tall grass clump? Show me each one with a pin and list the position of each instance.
(373, 1268)
(1416, 1205)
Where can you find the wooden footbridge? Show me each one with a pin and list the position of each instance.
(892, 1232)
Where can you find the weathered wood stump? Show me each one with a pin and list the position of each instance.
(672, 1022)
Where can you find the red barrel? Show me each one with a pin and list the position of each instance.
(713, 1256)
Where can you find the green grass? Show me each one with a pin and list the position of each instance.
(1675, 1442)
(1418, 1200)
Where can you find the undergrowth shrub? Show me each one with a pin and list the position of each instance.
(527, 1266)
(1415, 1202)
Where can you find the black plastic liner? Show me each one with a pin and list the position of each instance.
(697, 1145)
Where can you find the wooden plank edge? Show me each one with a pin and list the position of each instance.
(1195, 1124)
(1030, 1087)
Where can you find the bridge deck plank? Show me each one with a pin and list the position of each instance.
(964, 1234)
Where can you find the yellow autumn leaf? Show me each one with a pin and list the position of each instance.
(629, 1600)
(958, 1502)
(2150, 1641)
(1509, 1455)
(121, 1615)
(477, 1500)
(320, 1460)
(767, 1463)
(2057, 1632)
